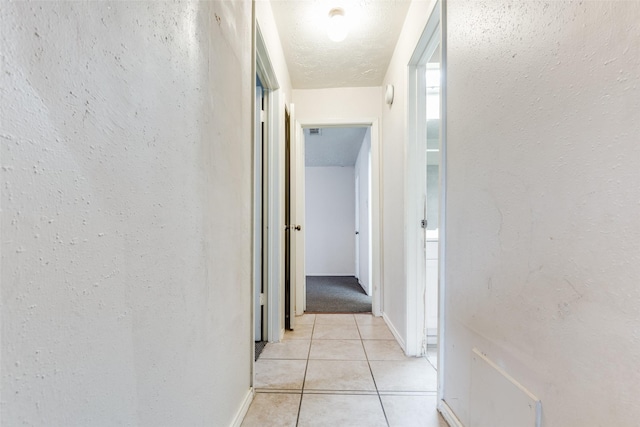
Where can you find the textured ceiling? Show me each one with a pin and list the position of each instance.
(335, 146)
(360, 60)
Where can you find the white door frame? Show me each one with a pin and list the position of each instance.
(376, 201)
(258, 214)
(415, 187)
(298, 273)
(357, 227)
(436, 25)
(274, 140)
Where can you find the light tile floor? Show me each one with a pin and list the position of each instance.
(342, 370)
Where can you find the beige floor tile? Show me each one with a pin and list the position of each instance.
(384, 350)
(415, 374)
(368, 319)
(337, 350)
(329, 410)
(289, 349)
(375, 332)
(305, 319)
(412, 411)
(335, 319)
(301, 332)
(336, 332)
(279, 374)
(432, 356)
(338, 375)
(273, 410)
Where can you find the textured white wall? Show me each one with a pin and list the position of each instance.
(337, 104)
(543, 231)
(126, 195)
(363, 172)
(330, 210)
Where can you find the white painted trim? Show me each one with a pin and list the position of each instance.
(264, 68)
(394, 331)
(377, 239)
(298, 217)
(414, 212)
(377, 243)
(275, 216)
(442, 217)
(242, 412)
(415, 180)
(275, 141)
(448, 415)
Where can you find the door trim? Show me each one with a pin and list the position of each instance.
(414, 186)
(298, 174)
(442, 217)
(377, 267)
(274, 183)
(436, 25)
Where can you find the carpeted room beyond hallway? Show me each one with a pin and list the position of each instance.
(336, 294)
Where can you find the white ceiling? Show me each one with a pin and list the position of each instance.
(360, 60)
(335, 146)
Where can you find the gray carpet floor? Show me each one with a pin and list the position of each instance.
(259, 347)
(336, 294)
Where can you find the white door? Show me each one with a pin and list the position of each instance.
(295, 298)
(298, 254)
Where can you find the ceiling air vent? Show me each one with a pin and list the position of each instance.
(314, 131)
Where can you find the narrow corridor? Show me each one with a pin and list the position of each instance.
(342, 370)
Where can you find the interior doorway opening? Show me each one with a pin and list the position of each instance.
(267, 201)
(259, 218)
(376, 267)
(426, 204)
(337, 164)
(431, 199)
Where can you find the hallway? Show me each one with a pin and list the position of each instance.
(342, 370)
(127, 261)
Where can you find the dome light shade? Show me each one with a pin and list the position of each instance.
(337, 25)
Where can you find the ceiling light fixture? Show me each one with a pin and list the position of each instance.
(337, 26)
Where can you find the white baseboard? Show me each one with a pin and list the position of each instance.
(237, 420)
(448, 414)
(394, 331)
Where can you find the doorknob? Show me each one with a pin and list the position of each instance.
(298, 227)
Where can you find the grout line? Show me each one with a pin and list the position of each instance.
(304, 379)
(277, 391)
(353, 392)
(408, 393)
(431, 363)
(373, 378)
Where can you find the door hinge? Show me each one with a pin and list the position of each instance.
(261, 299)
(423, 223)
(262, 116)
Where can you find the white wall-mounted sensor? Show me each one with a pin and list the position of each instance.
(388, 95)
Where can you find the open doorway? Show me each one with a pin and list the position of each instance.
(426, 172)
(338, 219)
(432, 201)
(259, 220)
